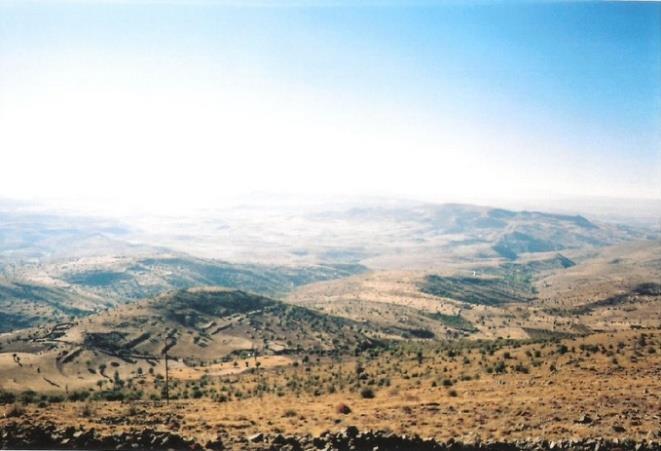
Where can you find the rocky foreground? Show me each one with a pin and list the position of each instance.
(49, 436)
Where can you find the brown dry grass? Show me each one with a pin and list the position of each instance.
(612, 378)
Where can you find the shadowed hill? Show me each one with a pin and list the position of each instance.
(24, 304)
(80, 287)
(129, 279)
(202, 327)
(208, 323)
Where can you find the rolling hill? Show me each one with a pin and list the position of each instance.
(39, 292)
(25, 304)
(611, 288)
(485, 232)
(134, 278)
(201, 327)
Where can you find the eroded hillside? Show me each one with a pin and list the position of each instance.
(540, 294)
(198, 327)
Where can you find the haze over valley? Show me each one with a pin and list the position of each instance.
(346, 225)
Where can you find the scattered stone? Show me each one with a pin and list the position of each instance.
(584, 419)
(351, 431)
(47, 436)
(256, 438)
(278, 439)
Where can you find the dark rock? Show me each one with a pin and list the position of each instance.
(47, 436)
(351, 431)
(215, 444)
(584, 419)
(165, 441)
(256, 438)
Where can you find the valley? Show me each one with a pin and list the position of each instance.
(452, 323)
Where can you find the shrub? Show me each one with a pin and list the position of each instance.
(28, 397)
(521, 368)
(367, 393)
(7, 398)
(197, 393)
(79, 396)
(111, 395)
(453, 393)
(135, 395)
(87, 411)
(343, 409)
(53, 399)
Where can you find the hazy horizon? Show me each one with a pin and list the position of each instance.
(330, 224)
(642, 212)
(170, 105)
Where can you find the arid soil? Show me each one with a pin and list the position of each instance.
(600, 388)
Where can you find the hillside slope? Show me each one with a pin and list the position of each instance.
(200, 327)
(35, 293)
(135, 278)
(25, 304)
(613, 288)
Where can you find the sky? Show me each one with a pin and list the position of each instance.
(179, 103)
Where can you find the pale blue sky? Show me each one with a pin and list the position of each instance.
(440, 101)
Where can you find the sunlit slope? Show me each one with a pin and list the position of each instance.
(199, 327)
(612, 288)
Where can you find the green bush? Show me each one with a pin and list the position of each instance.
(197, 393)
